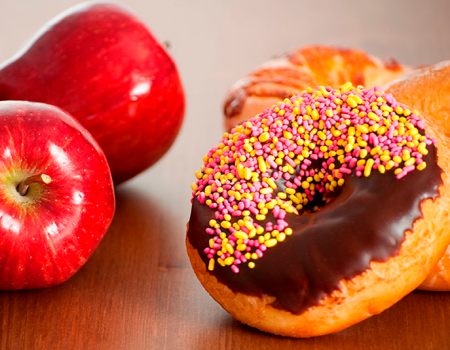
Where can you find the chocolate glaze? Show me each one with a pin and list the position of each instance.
(365, 223)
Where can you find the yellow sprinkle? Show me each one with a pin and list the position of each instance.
(287, 135)
(305, 184)
(262, 164)
(260, 217)
(386, 108)
(363, 129)
(422, 166)
(211, 264)
(240, 235)
(264, 137)
(229, 248)
(221, 262)
(347, 86)
(390, 165)
(322, 136)
(251, 265)
(381, 130)
(271, 242)
(375, 150)
(329, 113)
(349, 147)
(294, 199)
(373, 116)
(398, 171)
(271, 183)
(410, 161)
(227, 217)
(281, 237)
(225, 224)
(422, 148)
(266, 190)
(374, 127)
(351, 102)
(399, 110)
(358, 99)
(229, 260)
(368, 168)
(194, 186)
(363, 153)
(288, 231)
(247, 173)
(397, 159)
(406, 112)
(249, 225)
(341, 182)
(240, 170)
(290, 191)
(406, 155)
(381, 169)
(315, 114)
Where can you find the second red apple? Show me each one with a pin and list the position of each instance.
(101, 64)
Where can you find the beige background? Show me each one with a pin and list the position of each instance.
(214, 42)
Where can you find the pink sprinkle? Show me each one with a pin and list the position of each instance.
(401, 174)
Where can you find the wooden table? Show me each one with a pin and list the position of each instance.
(138, 290)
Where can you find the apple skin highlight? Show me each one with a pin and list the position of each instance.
(48, 233)
(100, 63)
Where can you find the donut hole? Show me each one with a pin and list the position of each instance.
(308, 184)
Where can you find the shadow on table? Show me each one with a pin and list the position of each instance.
(110, 299)
(420, 321)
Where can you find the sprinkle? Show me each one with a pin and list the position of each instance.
(309, 144)
(421, 166)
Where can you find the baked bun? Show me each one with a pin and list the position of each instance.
(428, 89)
(321, 211)
(294, 71)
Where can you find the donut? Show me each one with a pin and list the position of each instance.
(428, 88)
(321, 211)
(295, 71)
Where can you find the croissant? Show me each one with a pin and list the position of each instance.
(294, 71)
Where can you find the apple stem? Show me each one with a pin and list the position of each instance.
(22, 188)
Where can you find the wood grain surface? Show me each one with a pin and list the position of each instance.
(138, 290)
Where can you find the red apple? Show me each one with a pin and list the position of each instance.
(56, 195)
(102, 65)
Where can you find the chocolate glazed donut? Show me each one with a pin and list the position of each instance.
(343, 243)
